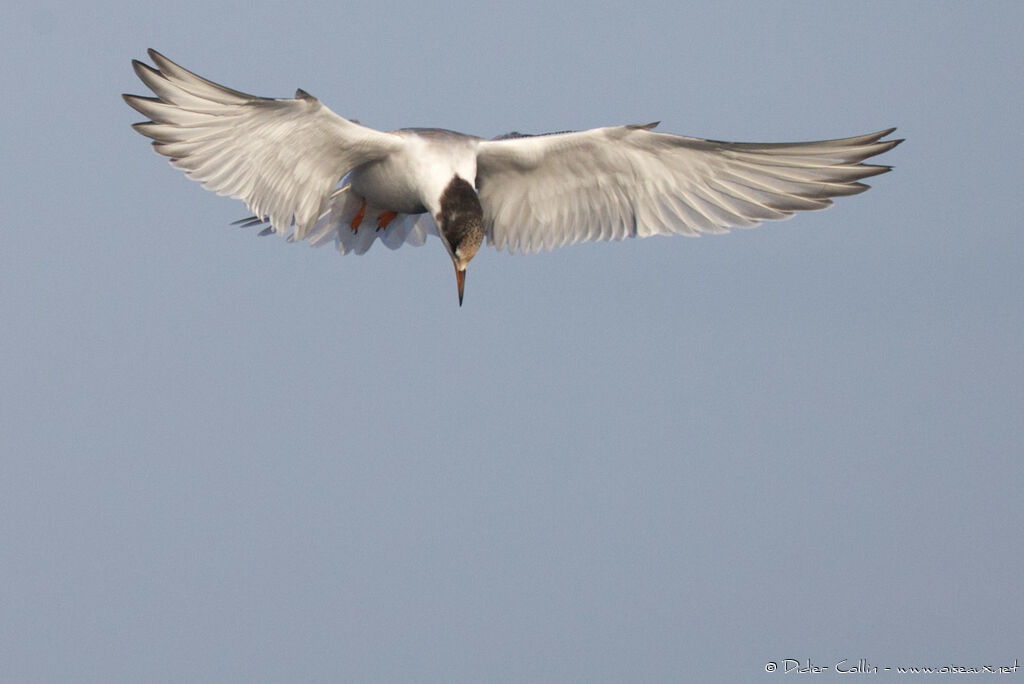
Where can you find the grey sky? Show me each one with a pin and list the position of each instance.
(226, 458)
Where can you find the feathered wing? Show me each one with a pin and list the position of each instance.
(548, 191)
(282, 157)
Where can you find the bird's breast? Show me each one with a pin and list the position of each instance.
(390, 185)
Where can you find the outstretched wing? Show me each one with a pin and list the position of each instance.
(543, 192)
(282, 157)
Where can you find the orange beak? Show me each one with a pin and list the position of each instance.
(460, 278)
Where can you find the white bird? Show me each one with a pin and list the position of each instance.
(285, 158)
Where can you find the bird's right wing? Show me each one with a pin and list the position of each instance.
(547, 191)
(282, 157)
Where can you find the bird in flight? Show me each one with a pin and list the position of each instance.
(310, 174)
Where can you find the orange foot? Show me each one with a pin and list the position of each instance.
(357, 220)
(385, 218)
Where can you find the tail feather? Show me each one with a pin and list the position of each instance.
(335, 226)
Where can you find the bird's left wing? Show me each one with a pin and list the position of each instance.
(547, 191)
(282, 157)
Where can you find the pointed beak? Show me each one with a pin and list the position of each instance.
(460, 278)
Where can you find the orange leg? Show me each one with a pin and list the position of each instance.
(357, 220)
(385, 218)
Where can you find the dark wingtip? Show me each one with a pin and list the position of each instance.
(892, 143)
(133, 100)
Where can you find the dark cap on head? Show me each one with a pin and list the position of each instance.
(461, 223)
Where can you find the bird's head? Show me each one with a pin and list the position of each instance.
(461, 224)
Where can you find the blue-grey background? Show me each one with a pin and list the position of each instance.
(230, 459)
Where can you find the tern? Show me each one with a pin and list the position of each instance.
(310, 174)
